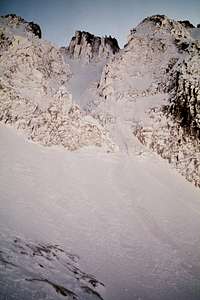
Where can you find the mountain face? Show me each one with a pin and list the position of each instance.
(34, 95)
(152, 88)
(88, 47)
(126, 217)
(144, 94)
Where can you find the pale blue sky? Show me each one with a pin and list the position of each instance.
(59, 19)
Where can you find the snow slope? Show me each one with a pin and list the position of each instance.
(132, 220)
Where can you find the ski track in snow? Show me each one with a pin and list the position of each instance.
(132, 219)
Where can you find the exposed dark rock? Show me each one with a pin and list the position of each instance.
(185, 92)
(35, 29)
(89, 47)
(160, 20)
(5, 42)
(187, 24)
(58, 288)
(90, 291)
(156, 19)
(182, 46)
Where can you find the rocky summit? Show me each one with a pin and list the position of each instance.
(88, 47)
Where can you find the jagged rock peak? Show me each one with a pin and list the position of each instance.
(90, 47)
(15, 21)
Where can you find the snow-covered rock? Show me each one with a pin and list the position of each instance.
(20, 26)
(140, 82)
(43, 270)
(34, 94)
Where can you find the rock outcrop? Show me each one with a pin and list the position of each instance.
(88, 47)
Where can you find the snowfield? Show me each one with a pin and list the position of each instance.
(129, 220)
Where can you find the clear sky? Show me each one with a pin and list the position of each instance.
(59, 19)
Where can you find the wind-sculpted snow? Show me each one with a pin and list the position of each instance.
(34, 94)
(30, 270)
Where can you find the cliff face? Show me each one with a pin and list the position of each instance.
(88, 47)
(184, 91)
